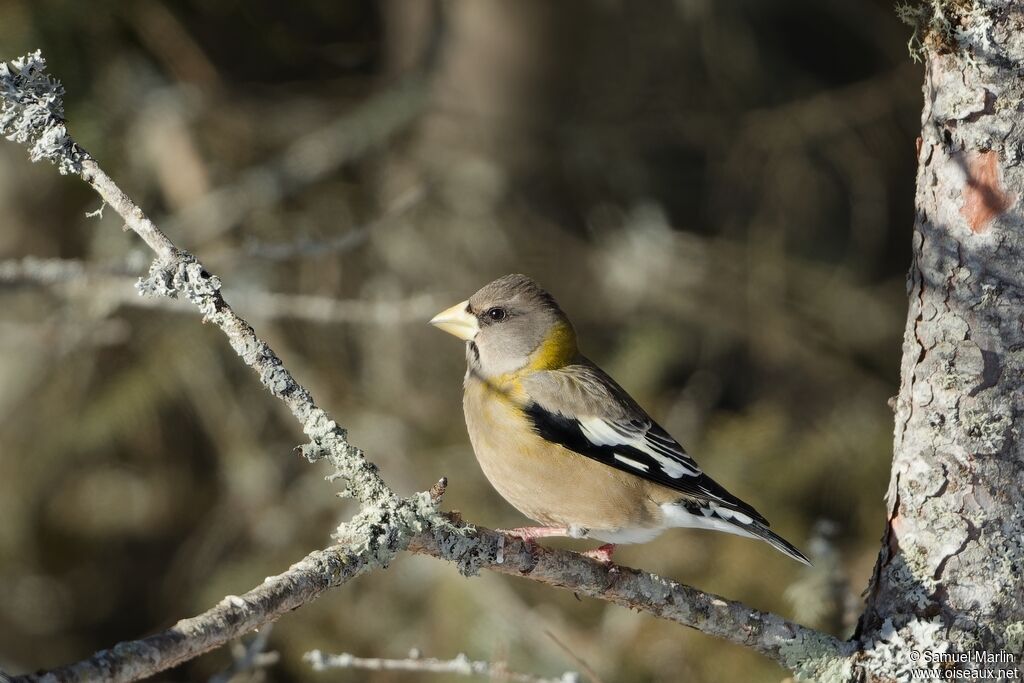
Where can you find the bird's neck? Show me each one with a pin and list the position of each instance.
(557, 350)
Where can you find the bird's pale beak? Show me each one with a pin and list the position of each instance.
(458, 321)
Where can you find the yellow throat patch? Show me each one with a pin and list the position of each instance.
(556, 351)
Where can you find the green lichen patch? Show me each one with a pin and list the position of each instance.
(888, 656)
(32, 113)
(987, 429)
(812, 657)
(940, 26)
(1013, 636)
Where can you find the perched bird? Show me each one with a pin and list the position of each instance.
(565, 444)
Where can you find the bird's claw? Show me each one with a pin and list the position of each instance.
(603, 554)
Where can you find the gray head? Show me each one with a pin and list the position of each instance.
(510, 324)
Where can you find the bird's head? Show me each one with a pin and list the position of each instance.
(510, 325)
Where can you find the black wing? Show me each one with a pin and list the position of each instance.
(639, 447)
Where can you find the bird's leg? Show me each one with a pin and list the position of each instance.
(601, 554)
(531, 533)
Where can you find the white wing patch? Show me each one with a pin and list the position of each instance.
(672, 467)
(636, 464)
(665, 452)
(599, 432)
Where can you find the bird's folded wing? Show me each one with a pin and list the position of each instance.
(581, 408)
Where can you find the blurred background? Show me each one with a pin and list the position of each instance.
(719, 193)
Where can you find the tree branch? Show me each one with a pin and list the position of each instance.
(233, 617)
(795, 647)
(32, 113)
(788, 643)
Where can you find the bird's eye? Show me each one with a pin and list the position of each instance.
(496, 314)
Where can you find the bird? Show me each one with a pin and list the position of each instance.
(568, 447)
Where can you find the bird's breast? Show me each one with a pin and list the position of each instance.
(546, 482)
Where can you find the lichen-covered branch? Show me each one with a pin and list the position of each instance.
(798, 648)
(814, 655)
(233, 617)
(31, 112)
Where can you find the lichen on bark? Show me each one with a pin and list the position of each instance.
(952, 554)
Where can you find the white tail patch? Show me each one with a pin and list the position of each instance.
(731, 514)
(677, 516)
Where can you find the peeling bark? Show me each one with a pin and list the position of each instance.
(952, 557)
(984, 197)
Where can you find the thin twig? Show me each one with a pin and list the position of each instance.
(279, 251)
(307, 160)
(249, 657)
(109, 286)
(587, 669)
(461, 665)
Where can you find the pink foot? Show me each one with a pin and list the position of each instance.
(601, 554)
(531, 533)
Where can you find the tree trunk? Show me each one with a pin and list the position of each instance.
(949, 575)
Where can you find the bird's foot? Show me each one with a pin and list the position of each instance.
(602, 554)
(532, 533)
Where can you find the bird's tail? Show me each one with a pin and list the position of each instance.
(704, 514)
(778, 542)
